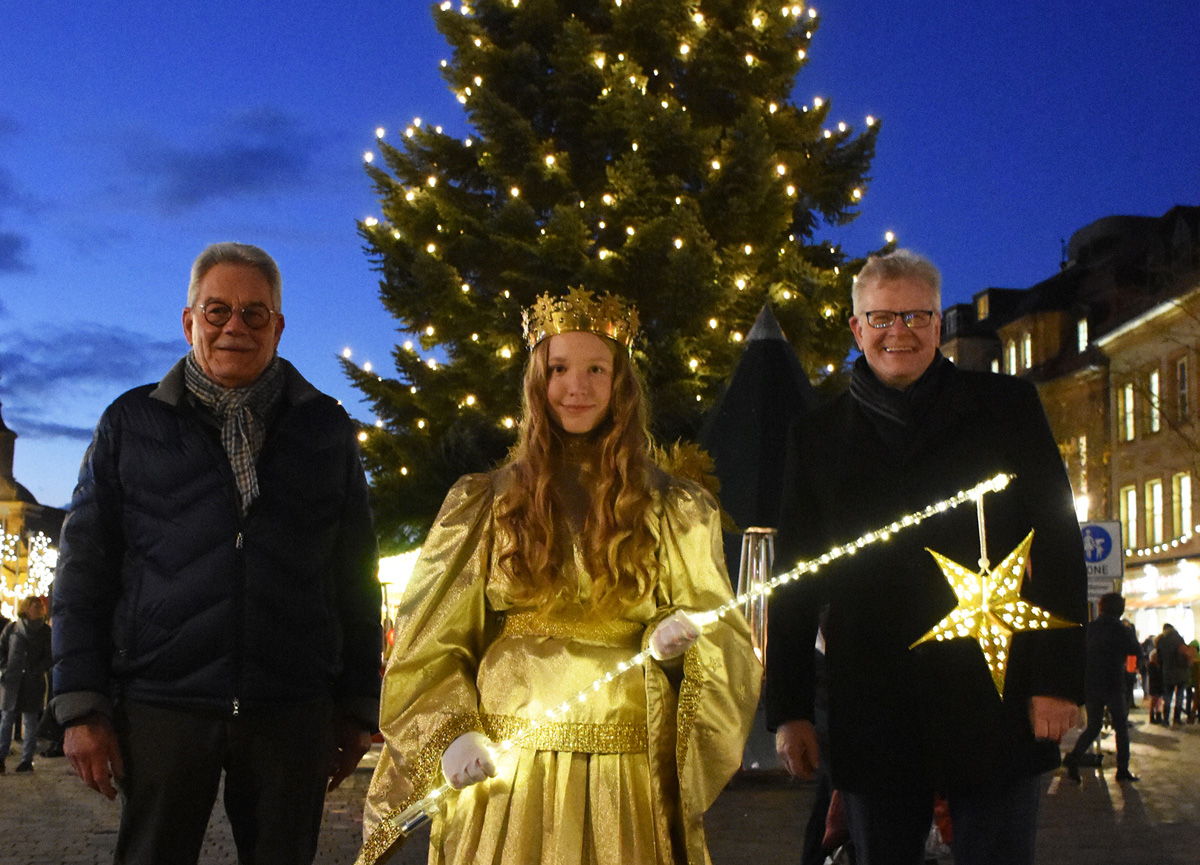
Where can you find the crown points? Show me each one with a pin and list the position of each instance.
(581, 310)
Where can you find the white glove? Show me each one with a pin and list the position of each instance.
(673, 636)
(468, 760)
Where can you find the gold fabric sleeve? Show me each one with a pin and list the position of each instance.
(698, 736)
(429, 695)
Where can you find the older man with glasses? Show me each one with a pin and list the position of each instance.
(216, 605)
(910, 719)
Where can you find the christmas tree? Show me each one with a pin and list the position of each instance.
(648, 148)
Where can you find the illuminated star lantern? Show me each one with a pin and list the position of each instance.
(990, 608)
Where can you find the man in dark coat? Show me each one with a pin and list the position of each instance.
(1175, 660)
(1110, 642)
(908, 721)
(216, 605)
(24, 662)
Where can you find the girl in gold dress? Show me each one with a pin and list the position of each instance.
(535, 581)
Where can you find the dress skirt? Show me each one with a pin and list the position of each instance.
(556, 808)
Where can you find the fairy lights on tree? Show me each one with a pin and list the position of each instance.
(648, 148)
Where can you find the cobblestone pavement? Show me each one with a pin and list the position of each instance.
(50, 818)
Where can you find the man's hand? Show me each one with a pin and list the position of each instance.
(92, 748)
(1051, 717)
(796, 745)
(351, 740)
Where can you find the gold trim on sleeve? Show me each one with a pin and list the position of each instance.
(689, 702)
(426, 767)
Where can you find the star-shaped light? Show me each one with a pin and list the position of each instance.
(990, 608)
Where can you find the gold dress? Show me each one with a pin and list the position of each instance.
(625, 777)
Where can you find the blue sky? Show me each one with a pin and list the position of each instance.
(132, 134)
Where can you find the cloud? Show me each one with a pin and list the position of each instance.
(257, 153)
(13, 247)
(38, 429)
(56, 384)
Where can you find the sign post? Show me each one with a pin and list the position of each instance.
(1104, 556)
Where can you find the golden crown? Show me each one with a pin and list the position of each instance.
(606, 315)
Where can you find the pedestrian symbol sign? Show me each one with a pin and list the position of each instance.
(1104, 556)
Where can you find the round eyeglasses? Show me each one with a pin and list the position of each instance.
(912, 317)
(256, 316)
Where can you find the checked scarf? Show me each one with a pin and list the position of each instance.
(243, 413)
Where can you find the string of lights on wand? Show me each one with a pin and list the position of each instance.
(416, 815)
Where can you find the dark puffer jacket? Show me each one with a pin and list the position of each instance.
(165, 593)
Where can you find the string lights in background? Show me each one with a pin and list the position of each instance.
(38, 575)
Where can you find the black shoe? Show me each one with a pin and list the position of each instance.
(3, 768)
(1071, 764)
(1124, 776)
(25, 766)
(53, 751)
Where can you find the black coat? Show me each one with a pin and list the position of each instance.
(24, 662)
(1110, 642)
(902, 717)
(166, 593)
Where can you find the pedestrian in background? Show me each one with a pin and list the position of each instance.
(216, 604)
(1174, 659)
(1109, 644)
(24, 662)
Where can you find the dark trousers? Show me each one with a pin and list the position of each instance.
(276, 767)
(1175, 691)
(992, 826)
(1118, 713)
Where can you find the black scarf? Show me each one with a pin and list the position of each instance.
(896, 413)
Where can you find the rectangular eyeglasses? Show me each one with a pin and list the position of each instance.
(911, 317)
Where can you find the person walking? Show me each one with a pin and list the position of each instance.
(24, 661)
(1110, 642)
(1174, 658)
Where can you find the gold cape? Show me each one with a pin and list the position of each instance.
(629, 776)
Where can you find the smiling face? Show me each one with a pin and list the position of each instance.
(579, 373)
(897, 354)
(232, 355)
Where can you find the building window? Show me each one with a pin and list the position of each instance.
(1027, 351)
(1181, 497)
(995, 364)
(1129, 528)
(1181, 388)
(981, 307)
(1081, 335)
(1154, 513)
(1010, 358)
(1125, 412)
(1152, 384)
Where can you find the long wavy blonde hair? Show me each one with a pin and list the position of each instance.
(617, 545)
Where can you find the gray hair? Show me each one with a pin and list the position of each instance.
(901, 264)
(235, 253)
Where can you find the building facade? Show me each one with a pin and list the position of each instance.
(1112, 342)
